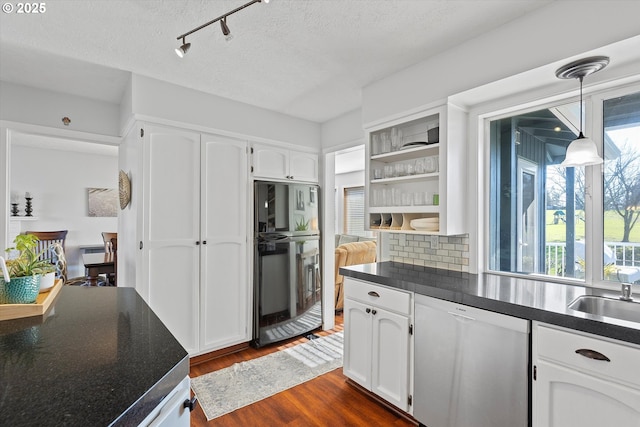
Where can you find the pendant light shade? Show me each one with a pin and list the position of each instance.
(582, 151)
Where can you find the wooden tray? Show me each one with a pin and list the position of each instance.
(39, 308)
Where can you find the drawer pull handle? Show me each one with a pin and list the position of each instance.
(368, 310)
(592, 354)
(374, 294)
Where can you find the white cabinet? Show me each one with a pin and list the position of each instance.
(272, 162)
(193, 239)
(415, 169)
(581, 379)
(377, 348)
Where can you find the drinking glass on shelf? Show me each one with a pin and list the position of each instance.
(428, 198)
(410, 168)
(387, 197)
(430, 164)
(400, 170)
(420, 166)
(375, 145)
(386, 142)
(388, 171)
(378, 173)
(418, 198)
(376, 199)
(406, 199)
(397, 196)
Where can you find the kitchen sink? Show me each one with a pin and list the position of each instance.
(607, 307)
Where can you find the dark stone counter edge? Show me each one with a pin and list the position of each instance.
(566, 320)
(154, 396)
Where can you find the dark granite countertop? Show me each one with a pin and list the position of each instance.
(519, 297)
(99, 357)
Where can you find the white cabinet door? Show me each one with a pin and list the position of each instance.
(224, 291)
(565, 397)
(357, 342)
(270, 162)
(279, 163)
(390, 357)
(171, 215)
(303, 166)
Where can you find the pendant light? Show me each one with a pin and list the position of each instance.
(582, 151)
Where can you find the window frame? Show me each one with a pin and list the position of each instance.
(593, 98)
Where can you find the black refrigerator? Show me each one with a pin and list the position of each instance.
(287, 295)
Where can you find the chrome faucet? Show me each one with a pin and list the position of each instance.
(626, 292)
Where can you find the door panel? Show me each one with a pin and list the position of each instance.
(390, 357)
(357, 343)
(171, 228)
(224, 289)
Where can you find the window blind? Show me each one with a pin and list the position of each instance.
(354, 211)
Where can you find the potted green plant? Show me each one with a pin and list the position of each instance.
(21, 275)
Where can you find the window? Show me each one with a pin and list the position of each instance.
(542, 216)
(354, 211)
(621, 188)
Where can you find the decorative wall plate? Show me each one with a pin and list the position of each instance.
(124, 188)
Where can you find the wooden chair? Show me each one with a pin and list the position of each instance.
(61, 267)
(106, 238)
(46, 239)
(108, 249)
(114, 248)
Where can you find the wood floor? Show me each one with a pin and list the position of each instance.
(324, 401)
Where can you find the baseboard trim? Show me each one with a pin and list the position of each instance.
(202, 358)
(399, 412)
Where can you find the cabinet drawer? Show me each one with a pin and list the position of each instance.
(560, 346)
(380, 296)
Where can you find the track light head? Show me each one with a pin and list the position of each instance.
(182, 50)
(225, 29)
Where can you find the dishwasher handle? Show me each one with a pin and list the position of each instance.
(462, 316)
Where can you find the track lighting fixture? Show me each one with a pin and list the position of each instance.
(225, 30)
(582, 151)
(182, 50)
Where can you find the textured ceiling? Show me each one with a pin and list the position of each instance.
(305, 58)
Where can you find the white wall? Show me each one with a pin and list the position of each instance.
(341, 131)
(158, 99)
(552, 33)
(25, 104)
(58, 181)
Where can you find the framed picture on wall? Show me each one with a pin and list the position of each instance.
(102, 202)
(300, 200)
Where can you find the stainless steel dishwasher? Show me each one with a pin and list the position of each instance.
(471, 366)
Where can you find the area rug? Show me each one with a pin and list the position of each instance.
(244, 383)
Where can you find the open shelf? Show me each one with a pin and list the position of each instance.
(408, 153)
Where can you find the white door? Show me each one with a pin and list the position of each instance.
(270, 162)
(357, 342)
(390, 357)
(171, 214)
(527, 217)
(303, 166)
(225, 296)
(564, 397)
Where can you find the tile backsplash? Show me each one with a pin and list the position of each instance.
(447, 252)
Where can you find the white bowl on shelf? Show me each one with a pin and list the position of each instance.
(425, 224)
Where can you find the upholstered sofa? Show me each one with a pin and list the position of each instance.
(350, 238)
(351, 254)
